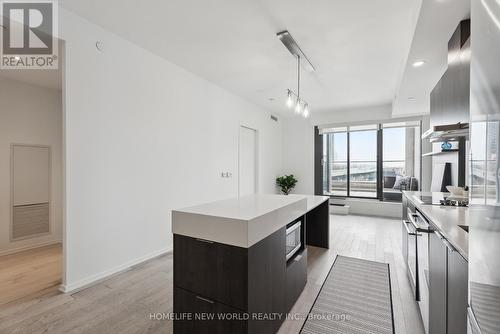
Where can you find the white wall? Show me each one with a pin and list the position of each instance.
(353, 115)
(298, 152)
(29, 115)
(143, 137)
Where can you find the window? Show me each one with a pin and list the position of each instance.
(335, 170)
(353, 155)
(363, 163)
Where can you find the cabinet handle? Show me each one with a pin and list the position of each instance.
(407, 229)
(206, 241)
(205, 299)
(411, 217)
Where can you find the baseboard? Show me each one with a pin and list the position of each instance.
(33, 246)
(102, 276)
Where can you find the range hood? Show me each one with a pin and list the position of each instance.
(450, 132)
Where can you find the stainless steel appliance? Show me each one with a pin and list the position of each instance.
(293, 239)
(410, 248)
(416, 230)
(484, 230)
(423, 229)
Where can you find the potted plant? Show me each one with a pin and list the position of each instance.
(286, 183)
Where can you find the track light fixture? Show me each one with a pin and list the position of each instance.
(293, 99)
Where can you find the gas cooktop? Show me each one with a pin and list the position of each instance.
(440, 199)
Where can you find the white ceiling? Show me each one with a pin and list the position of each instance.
(437, 22)
(359, 47)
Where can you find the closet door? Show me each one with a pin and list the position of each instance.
(30, 191)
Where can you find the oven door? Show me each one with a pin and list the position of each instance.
(293, 239)
(411, 253)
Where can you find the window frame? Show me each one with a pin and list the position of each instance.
(379, 127)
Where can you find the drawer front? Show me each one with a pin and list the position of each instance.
(207, 316)
(296, 278)
(213, 270)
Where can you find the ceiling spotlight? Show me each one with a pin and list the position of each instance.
(418, 63)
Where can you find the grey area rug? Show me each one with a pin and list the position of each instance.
(355, 298)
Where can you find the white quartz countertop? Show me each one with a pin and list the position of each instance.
(313, 201)
(242, 221)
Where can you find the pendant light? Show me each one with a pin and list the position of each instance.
(294, 100)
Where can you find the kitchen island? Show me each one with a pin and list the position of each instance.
(240, 264)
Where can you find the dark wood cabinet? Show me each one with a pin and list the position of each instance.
(318, 226)
(208, 318)
(204, 267)
(266, 281)
(210, 277)
(296, 278)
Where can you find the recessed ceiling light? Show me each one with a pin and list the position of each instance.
(411, 98)
(418, 63)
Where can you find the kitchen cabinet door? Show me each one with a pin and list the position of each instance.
(457, 293)
(437, 284)
(211, 269)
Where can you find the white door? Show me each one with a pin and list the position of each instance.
(247, 161)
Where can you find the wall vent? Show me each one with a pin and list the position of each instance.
(30, 220)
(30, 193)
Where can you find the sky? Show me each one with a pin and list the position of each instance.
(364, 145)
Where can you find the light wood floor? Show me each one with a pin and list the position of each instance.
(35, 271)
(123, 303)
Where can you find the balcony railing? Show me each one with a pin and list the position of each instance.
(363, 177)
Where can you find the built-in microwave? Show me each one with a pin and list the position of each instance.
(293, 238)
